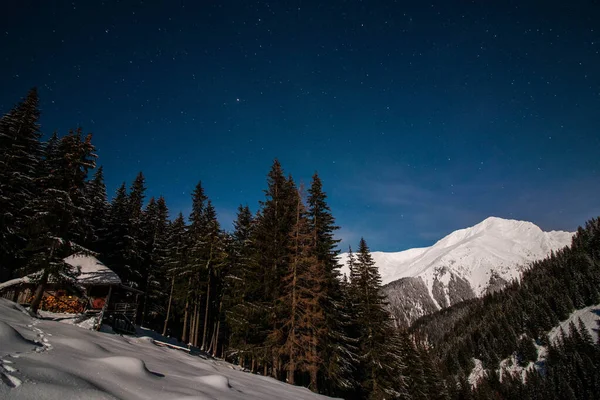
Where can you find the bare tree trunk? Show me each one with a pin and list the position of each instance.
(142, 315)
(192, 324)
(39, 292)
(291, 364)
(218, 328)
(206, 312)
(164, 333)
(193, 330)
(253, 368)
(291, 372)
(208, 268)
(313, 369)
(211, 348)
(186, 315)
(197, 331)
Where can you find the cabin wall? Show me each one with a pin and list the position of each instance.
(18, 294)
(59, 299)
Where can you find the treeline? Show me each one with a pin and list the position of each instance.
(509, 322)
(267, 296)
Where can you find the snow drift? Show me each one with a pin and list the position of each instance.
(42, 359)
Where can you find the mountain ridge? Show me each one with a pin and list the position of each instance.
(464, 264)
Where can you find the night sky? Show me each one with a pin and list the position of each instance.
(420, 119)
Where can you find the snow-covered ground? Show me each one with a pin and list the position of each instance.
(590, 316)
(477, 373)
(45, 359)
(496, 246)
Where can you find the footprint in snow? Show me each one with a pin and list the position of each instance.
(8, 368)
(6, 377)
(11, 381)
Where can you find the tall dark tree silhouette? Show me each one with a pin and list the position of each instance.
(57, 225)
(336, 346)
(381, 360)
(271, 239)
(20, 157)
(98, 211)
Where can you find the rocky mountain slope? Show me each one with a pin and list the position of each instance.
(467, 263)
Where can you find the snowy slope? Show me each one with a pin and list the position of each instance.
(42, 359)
(470, 261)
(590, 316)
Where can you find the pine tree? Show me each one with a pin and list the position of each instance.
(206, 257)
(20, 158)
(175, 263)
(69, 164)
(117, 228)
(433, 382)
(336, 346)
(353, 271)
(414, 371)
(135, 253)
(155, 223)
(379, 348)
(98, 209)
(303, 322)
(271, 239)
(215, 262)
(195, 270)
(241, 285)
(57, 228)
(222, 269)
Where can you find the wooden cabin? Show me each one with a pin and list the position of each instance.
(96, 290)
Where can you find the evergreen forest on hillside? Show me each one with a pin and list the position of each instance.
(269, 296)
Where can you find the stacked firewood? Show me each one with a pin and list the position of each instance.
(62, 304)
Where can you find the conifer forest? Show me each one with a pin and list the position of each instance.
(268, 294)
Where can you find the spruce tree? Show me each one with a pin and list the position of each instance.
(193, 271)
(434, 383)
(197, 274)
(271, 238)
(302, 323)
(117, 228)
(206, 257)
(381, 364)
(135, 254)
(242, 284)
(155, 222)
(69, 163)
(215, 261)
(98, 211)
(175, 264)
(414, 367)
(336, 347)
(57, 227)
(20, 170)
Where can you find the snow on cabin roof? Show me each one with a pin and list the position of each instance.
(92, 271)
(12, 282)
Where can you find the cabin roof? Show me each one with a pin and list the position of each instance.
(92, 271)
(89, 270)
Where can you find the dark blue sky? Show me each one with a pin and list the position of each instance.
(421, 119)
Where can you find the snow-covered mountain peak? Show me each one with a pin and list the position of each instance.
(493, 226)
(472, 261)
